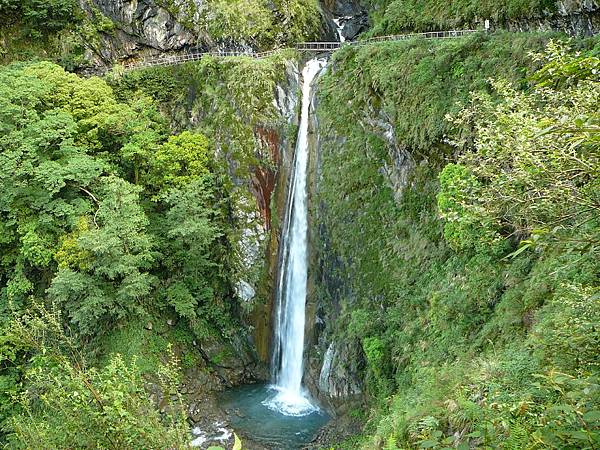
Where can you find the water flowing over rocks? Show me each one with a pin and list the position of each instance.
(290, 315)
(350, 15)
(201, 438)
(334, 368)
(273, 196)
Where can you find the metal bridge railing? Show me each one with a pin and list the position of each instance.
(427, 35)
(316, 47)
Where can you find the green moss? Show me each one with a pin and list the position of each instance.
(448, 335)
(149, 346)
(229, 99)
(396, 16)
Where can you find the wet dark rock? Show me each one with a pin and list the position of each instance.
(343, 8)
(286, 101)
(330, 33)
(334, 369)
(351, 16)
(355, 25)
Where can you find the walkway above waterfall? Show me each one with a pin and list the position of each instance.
(307, 47)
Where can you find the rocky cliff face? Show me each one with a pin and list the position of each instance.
(574, 17)
(351, 17)
(140, 27)
(150, 27)
(152, 24)
(270, 189)
(334, 368)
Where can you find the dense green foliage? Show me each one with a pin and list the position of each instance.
(396, 16)
(71, 405)
(37, 15)
(263, 24)
(545, 143)
(469, 339)
(232, 100)
(54, 29)
(108, 217)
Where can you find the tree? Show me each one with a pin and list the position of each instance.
(195, 255)
(67, 225)
(43, 173)
(104, 216)
(184, 158)
(38, 17)
(111, 280)
(48, 15)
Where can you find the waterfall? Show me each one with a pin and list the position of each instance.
(339, 24)
(288, 351)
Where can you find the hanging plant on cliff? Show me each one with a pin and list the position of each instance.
(535, 165)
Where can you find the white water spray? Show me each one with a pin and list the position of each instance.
(339, 24)
(291, 398)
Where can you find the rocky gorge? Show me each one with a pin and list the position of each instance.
(427, 318)
(335, 368)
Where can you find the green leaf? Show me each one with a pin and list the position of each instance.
(521, 249)
(592, 416)
(580, 435)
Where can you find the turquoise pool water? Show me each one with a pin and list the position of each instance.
(248, 414)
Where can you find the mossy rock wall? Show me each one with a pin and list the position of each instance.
(387, 285)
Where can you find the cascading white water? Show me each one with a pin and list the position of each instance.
(339, 24)
(291, 399)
